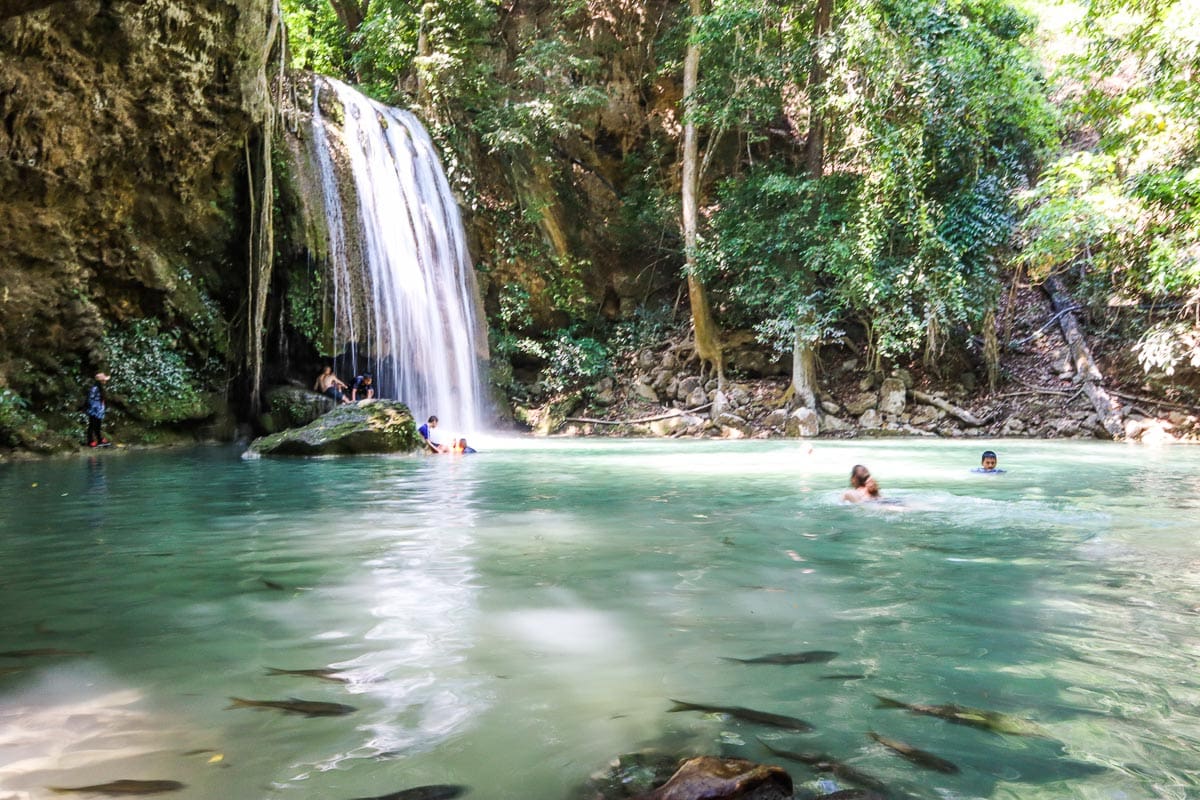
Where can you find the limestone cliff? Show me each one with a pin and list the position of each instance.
(125, 129)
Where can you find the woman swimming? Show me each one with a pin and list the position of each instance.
(862, 486)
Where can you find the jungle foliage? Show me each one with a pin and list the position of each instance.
(935, 119)
(1120, 214)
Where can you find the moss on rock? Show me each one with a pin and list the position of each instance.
(370, 426)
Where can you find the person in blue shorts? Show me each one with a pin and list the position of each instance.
(987, 464)
(331, 386)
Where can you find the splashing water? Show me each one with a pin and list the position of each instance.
(403, 289)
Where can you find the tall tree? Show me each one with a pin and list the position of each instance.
(707, 337)
(352, 13)
(803, 389)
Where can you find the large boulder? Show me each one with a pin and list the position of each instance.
(292, 407)
(803, 422)
(370, 426)
(892, 396)
(861, 402)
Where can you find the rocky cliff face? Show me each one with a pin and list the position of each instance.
(124, 131)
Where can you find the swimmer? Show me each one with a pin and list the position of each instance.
(987, 464)
(859, 490)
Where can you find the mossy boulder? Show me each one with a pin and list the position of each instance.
(293, 406)
(370, 426)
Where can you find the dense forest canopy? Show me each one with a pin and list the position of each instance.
(868, 168)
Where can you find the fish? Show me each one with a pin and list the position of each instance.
(43, 651)
(747, 714)
(820, 762)
(308, 708)
(279, 587)
(11, 670)
(917, 756)
(122, 787)
(807, 657)
(432, 792)
(975, 717)
(847, 676)
(324, 674)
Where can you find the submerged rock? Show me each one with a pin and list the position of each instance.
(712, 778)
(370, 426)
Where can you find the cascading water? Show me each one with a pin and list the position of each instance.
(403, 287)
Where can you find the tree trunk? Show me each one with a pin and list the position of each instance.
(814, 148)
(1108, 409)
(804, 372)
(803, 390)
(991, 349)
(949, 408)
(708, 341)
(351, 13)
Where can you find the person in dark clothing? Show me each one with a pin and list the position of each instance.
(362, 387)
(94, 408)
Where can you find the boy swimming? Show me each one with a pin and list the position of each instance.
(987, 464)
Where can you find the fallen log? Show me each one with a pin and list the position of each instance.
(1155, 401)
(1107, 408)
(675, 413)
(949, 408)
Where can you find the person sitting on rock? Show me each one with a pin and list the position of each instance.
(329, 385)
(426, 432)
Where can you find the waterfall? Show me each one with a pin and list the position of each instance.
(404, 295)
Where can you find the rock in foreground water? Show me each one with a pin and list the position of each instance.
(712, 778)
(370, 426)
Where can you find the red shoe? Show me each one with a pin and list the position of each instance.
(91, 444)
(104, 441)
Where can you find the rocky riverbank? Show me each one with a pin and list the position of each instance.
(660, 392)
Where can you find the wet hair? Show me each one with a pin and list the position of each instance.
(858, 476)
(432, 419)
(871, 486)
(988, 454)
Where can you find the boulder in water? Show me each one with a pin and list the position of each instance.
(370, 426)
(713, 778)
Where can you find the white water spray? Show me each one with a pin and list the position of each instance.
(403, 287)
